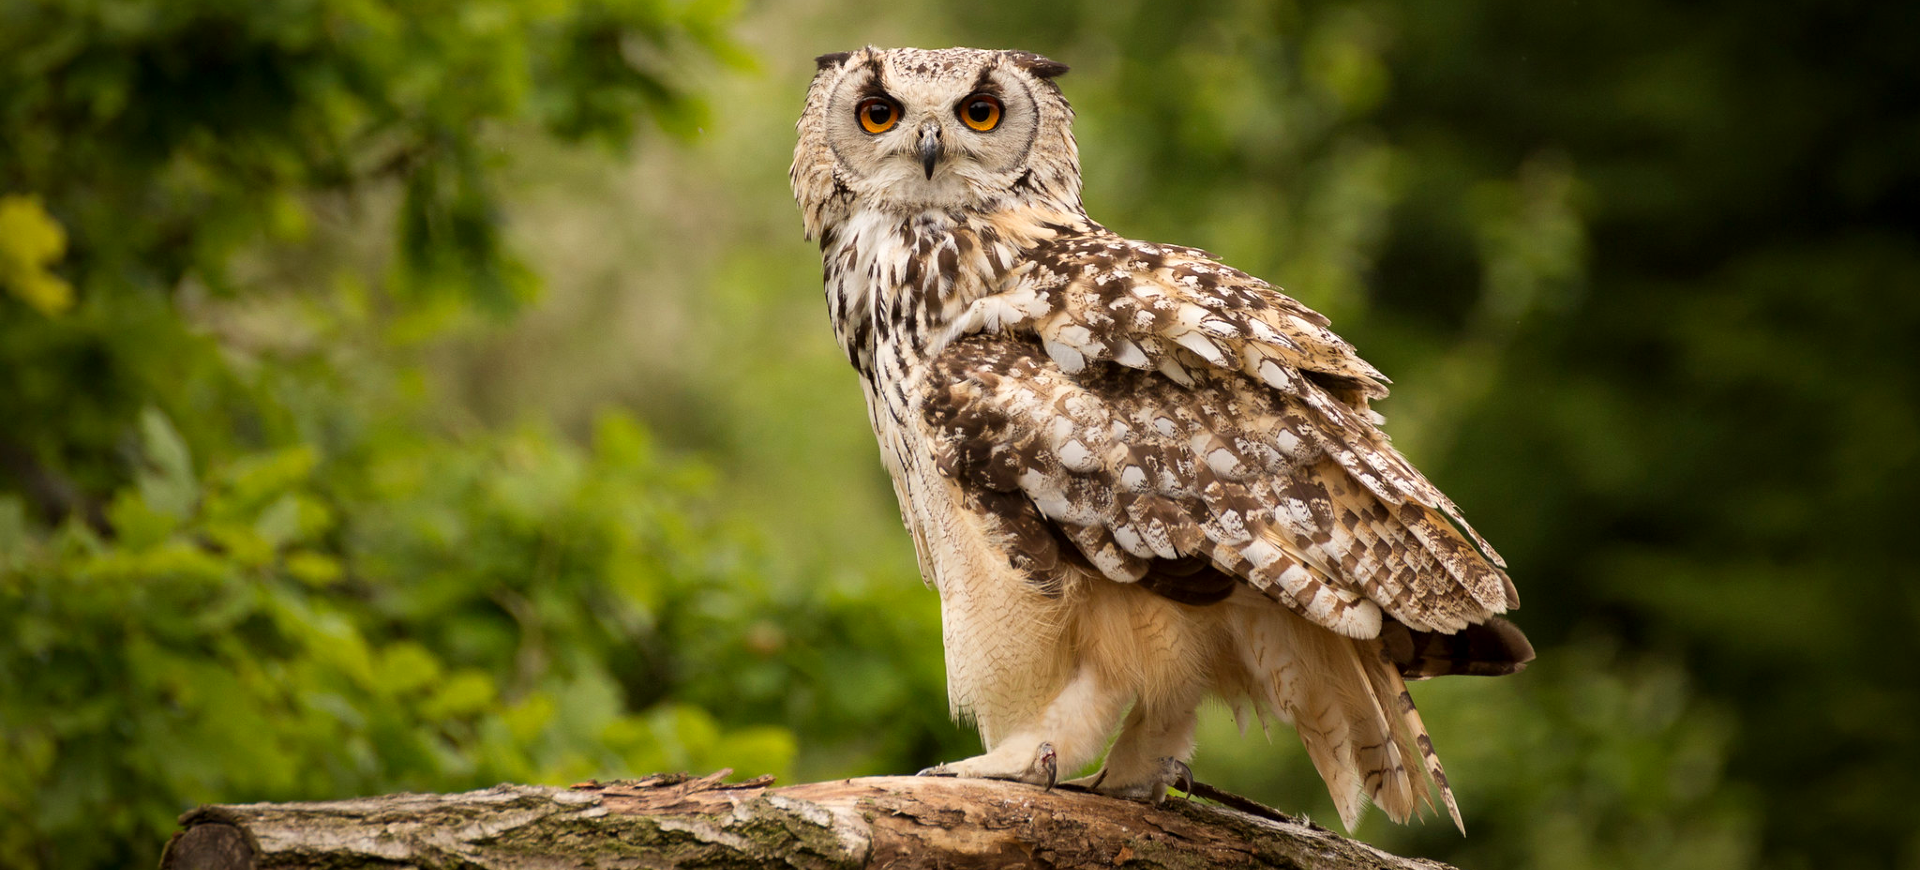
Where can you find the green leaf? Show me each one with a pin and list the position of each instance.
(406, 666)
(466, 693)
(280, 522)
(137, 523)
(31, 241)
(314, 569)
(167, 483)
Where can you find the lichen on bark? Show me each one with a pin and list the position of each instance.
(682, 821)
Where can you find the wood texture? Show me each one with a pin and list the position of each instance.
(680, 821)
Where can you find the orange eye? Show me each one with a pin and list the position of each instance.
(981, 112)
(877, 114)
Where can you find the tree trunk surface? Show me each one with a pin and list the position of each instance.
(681, 821)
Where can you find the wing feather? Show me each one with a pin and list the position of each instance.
(1095, 297)
(1190, 408)
(1139, 471)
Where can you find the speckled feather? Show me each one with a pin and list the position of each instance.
(1134, 467)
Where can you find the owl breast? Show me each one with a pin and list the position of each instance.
(901, 284)
(900, 288)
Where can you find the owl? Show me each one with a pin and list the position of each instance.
(1136, 477)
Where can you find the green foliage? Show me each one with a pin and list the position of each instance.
(215, 121)
(237, 559)
(439, 614)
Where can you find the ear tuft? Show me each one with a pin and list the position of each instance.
(1043, 67)
(832, 59)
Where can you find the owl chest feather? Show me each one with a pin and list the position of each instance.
(895, 285)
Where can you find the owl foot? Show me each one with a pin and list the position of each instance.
(1151, 788)
(1043, 769)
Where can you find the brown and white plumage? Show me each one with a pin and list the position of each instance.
(1136, 476)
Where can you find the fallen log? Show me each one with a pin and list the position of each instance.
(683, 821)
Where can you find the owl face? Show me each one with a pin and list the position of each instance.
(914, 129)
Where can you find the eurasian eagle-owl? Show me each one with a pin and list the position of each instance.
(1135, 476)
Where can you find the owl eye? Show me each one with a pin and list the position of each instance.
(981, 112)
(877, 114)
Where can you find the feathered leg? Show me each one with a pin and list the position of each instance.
(1068, 734)
(1151, 753)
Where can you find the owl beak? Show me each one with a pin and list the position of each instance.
(929, 149)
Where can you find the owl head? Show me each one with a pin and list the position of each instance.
(907, 130)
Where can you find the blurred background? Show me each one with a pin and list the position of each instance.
(424, 395)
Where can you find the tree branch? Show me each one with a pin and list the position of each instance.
(679, 821)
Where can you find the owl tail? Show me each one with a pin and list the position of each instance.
(1409, 733)
(1352, 711)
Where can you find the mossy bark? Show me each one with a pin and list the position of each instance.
(680, 821)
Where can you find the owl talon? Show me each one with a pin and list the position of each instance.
(1172, 773)
(1181, 775)
(1042, 770)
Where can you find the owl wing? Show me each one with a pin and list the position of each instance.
(1232, 429)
